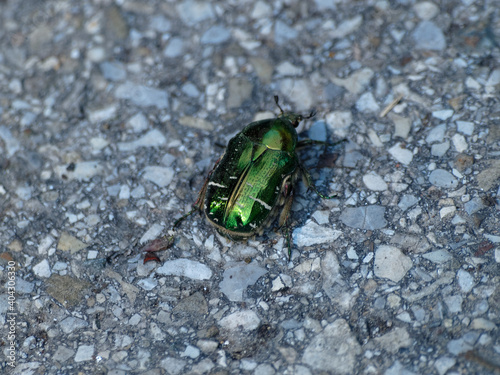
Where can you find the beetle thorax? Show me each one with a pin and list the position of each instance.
(275, 134)
(291, 117)
(279, 138)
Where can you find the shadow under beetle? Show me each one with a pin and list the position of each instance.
(253, 181)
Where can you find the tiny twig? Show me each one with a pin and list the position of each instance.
(391, 105)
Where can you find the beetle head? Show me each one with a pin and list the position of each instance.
(294, 118)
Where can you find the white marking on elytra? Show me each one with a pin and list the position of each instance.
(249, 184)
(252, 225)
(264, 204)
(233, 177)
(223, 198)
(211, 183)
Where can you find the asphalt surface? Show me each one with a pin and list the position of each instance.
(113, 113)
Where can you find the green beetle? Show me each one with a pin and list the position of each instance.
(254, 180)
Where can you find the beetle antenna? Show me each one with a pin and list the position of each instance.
(277, 101)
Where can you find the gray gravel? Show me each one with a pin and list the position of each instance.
(112, 113)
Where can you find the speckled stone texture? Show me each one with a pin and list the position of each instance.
(113, 112)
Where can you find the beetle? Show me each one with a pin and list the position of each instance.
(253, 180)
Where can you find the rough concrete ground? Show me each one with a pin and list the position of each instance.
(112, 113)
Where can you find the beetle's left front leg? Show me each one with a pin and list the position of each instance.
(165, 242)
(198, 205)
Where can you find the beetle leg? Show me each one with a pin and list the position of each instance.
(285, 232)
(310, 185)
(198, 205)
(166, 241)
(285, 214)
(309, 142)
(305, 173)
